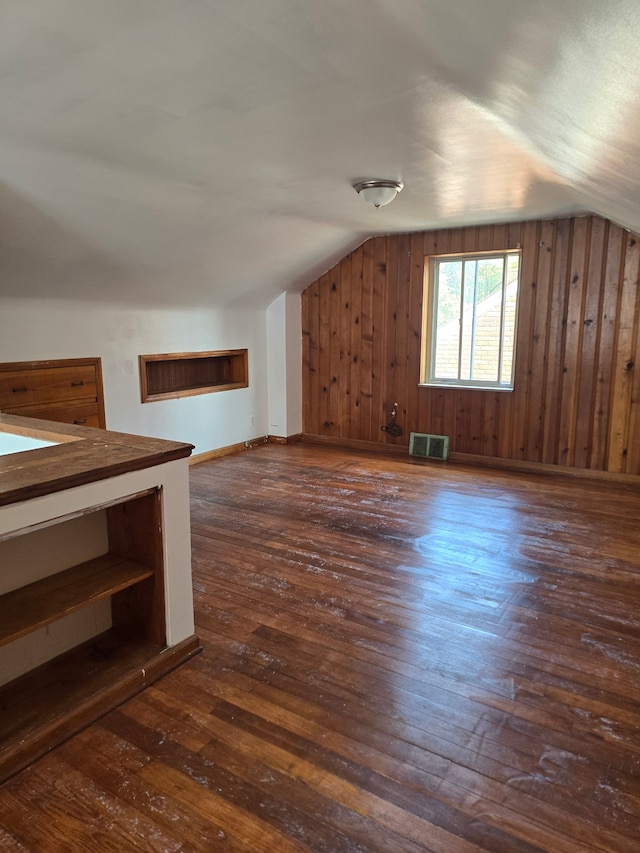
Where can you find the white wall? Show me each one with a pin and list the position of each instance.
(276, 366)
(294, 363)
(40, 329)
(284, 364)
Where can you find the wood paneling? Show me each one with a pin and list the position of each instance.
(576, 399)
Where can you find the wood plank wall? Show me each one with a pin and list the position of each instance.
(576, 400)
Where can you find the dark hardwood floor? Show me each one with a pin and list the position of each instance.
(398, 657)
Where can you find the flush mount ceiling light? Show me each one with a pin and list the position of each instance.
(378, 193)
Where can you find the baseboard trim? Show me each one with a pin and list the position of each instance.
(357, 444)
(284, 439)
(230, 449)
(494, 462)
(543, 468)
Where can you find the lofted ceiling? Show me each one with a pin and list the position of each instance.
(203, 151)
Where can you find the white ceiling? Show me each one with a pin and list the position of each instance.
(203, 151)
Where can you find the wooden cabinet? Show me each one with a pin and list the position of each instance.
(65, 390)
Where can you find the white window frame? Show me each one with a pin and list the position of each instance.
(428, 322)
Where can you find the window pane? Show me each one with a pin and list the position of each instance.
(468, 311)
(447, 319)
(509, 333)
(486, 339)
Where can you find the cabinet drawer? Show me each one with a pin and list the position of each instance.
(84, 414)
(46, 385)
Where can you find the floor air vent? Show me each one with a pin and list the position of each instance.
(429, 446)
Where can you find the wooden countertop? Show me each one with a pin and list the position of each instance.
(84, 455)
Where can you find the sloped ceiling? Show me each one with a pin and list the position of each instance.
(203, 151)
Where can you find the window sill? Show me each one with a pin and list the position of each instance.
(461, 386)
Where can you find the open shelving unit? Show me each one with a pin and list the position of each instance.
(39, 707)
(95, 578)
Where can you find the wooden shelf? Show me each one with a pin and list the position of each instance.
(45, 706)
(31, 607)
(184, 374)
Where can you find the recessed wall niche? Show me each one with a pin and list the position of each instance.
(183, 374)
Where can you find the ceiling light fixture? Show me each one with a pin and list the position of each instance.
(378, 193)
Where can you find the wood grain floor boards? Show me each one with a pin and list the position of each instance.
(398, 658)
(10, 844)
(94, 752)
(388, 731)
(438, 730)
(434, 648)
(443, 685)
(228, 748)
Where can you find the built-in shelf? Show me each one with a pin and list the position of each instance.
(183, 374)
(31, 607)
(55, 700)
(61, 664)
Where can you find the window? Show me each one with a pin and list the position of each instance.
(470, 320)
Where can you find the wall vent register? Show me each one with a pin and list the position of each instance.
(429, 446)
